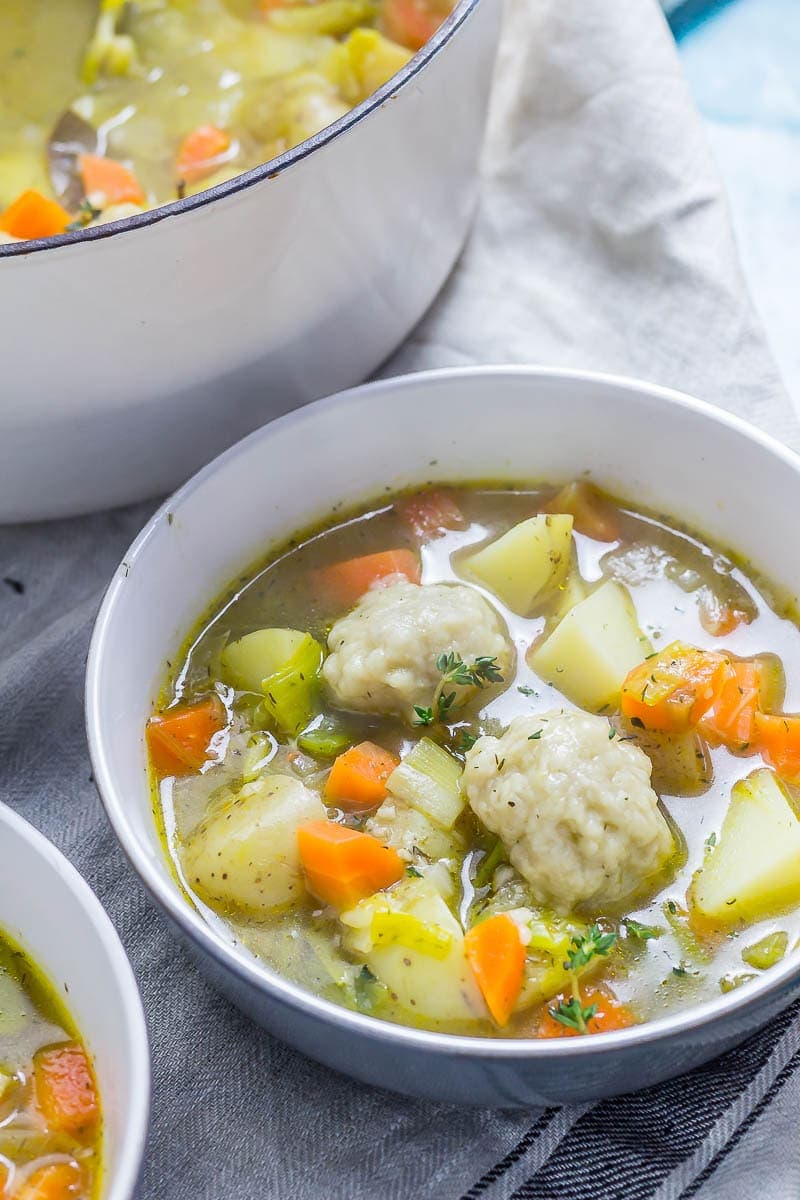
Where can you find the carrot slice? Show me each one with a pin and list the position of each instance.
(611, 1015)
(346, 582)
(412, 22)
(778, 740)
(65, 1091)
(430, 514)
(671, 691)
(179, 740)
(110, 180)
(497, 957)
(592, 514)
(33, 215)
(358, 777)
(55, 1181)
(731, 721)
(343, 866)
(200, 151)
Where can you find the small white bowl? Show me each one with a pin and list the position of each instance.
(664, 451)
(55, 917)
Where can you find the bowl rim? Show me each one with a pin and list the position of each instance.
(246, 969)
(121, 1185)
(269, 170)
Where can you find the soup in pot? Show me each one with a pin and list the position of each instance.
(111, 107)
(497, 761)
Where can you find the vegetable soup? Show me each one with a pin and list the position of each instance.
(109, 108)
(49, 1109)
(494, 761)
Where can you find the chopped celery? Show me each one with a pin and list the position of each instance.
(429, 779)
(260, 751)
(333, 17)
(766, 952)
(398, 928)
(247, 662)
(362, 63)
(108, 52)
(730, 982)
(291, 694)
(324, 738)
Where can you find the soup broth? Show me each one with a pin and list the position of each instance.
(484, 761)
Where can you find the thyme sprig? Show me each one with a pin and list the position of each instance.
(455, 673)
(573, 1014)
(584, 948)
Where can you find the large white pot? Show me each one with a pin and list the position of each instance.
(132, 353)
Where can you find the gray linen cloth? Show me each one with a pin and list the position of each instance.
(602, 241)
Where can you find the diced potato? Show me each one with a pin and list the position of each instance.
(364, 62)
(432, 981)
(244, 856)
(753, 870)
(591, 651)
(570, 591)
(525, 563)
(246, 663)
(681, 762)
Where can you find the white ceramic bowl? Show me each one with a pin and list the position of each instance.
(660, 449)
(53, 914)
(134, 352)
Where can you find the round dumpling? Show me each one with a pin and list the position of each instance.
(573, 807)
(383, 654)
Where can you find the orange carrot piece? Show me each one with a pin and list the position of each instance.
(718, 618)
(55, 1181)
(200, 152)
(179, 739)
(65, 1091)
(412, 23)
(111, 180)
(731, 721)
(496, 955)
(357, 779)
(672, 690)
(33, 215)
(430, 514)
(611, 1015)
(343, 866)
(346, 582)
(592, 514)
(778, 741)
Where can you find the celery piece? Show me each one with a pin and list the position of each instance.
(333, 17)
(324, 738)
(730, 982)
(362, 63)
(393, 928)
(429, 779)
(108, 52)
(247, 662)
(766, 952)
(291, 695)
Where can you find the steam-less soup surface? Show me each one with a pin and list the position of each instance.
(492, 761)
(49, 1109)
(110, 107)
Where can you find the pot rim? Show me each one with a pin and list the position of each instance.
(247, 969)
(267, 171)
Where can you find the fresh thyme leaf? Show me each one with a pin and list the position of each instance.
(710, 841)
(413, 872)
(466, 741)
(524, 690)
(424, 715)
(572, 1014)
(455, 673)
(642, 933)
(534, 737)
(612, 733)
(585, 948)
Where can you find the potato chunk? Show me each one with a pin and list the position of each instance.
(419, 953)
(525, 563)
(753, 870)
(244, 854)
(589, 653)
